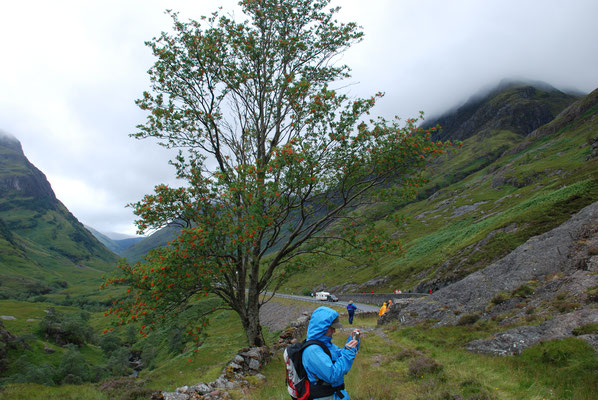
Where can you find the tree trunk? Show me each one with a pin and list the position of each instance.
(251, 324)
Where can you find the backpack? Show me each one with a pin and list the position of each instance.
(299, 387)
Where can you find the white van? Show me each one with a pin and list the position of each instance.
(323, 296)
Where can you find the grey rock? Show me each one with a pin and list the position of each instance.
(253, 353)
(234, 366)
(466, 209)
(174, 396)
(254, 364)
(182, 389)
(231, 385)
(201, 388)
(260, 377)
(238, 359)
(514, 341)
(219, 383)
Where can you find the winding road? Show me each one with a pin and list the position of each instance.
(360, 306)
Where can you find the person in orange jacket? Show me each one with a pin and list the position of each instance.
(382, 310)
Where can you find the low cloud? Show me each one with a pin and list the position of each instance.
(73, 70)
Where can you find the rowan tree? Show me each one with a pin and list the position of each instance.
(273, 159)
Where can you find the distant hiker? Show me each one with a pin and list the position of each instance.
(389, 304)
(351, 310)
(382, 310)
(326, 373)
(430, 291)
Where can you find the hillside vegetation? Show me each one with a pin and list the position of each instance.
(497, 191)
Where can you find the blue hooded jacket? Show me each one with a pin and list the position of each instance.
(316, 361)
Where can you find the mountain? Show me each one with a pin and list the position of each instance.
(115, 245)
(43, 247)
(519, 107)
(516, 176)
(137, 250)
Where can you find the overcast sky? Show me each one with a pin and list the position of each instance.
(71, 70)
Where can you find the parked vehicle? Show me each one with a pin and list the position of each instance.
(332, 298)
(322, 296)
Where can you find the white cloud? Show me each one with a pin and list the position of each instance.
(71, 70)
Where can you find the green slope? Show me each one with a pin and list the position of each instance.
(43, 247)
(501, 188)
(160, 238)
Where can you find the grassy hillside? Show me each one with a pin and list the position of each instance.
(497, 191)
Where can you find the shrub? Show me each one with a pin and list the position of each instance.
(118, 364)
(474, 390)
(587, 329)
(29, 373)
(522, 291)
(468, 319)
(125, 389)
(73, 368)
(499, 298)
(420, 366)
(592, 294)
(176, 341)
(110, 342)
(147, 356)
(561, 296)
(408, 353)
(131, 335)
(66, 328)
(566, 306)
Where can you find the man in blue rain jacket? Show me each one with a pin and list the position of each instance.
(320, 368)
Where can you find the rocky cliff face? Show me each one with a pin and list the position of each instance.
(552, 277)
(20, 180)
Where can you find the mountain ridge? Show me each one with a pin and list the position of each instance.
(40, 240)
(518, 106)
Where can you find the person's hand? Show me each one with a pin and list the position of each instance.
(352, 343)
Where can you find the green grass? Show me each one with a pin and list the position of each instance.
(65, 392)
(387, 367)
(24, 310)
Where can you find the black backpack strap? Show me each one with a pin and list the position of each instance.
(322, 346)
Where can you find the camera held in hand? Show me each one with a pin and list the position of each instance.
(355, 334)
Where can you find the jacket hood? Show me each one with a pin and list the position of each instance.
(320, 321)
